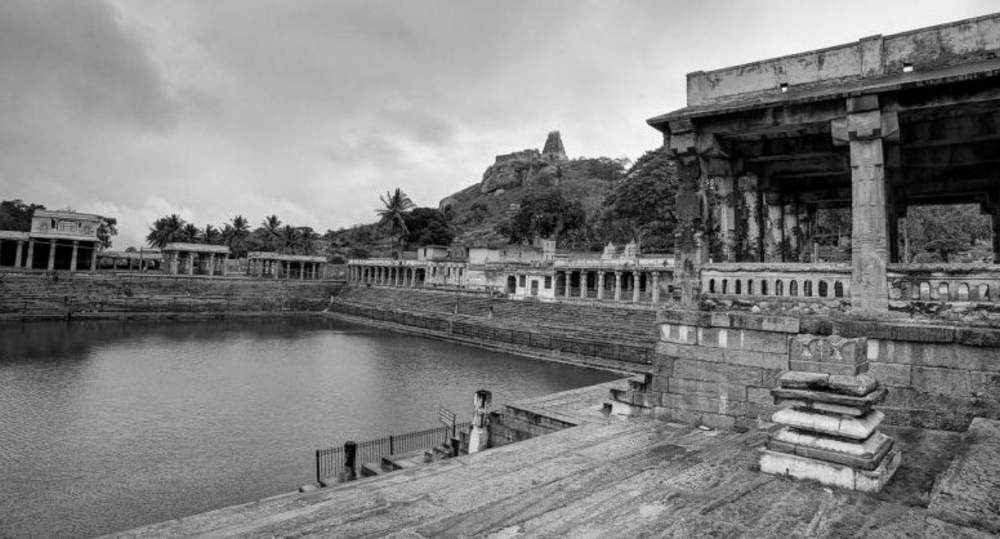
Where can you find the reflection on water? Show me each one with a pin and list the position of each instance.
(106, 426)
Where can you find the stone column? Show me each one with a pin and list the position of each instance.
(583, 284)
(774, 233)
(636, 276)
(479, 437)
(211, 264)
(30, 262)
(302, 271)
(190, 264)
(725, 216)
(18, 263)
(792, 232)
(688, 236)
(600, 285)
(751, 247)
(656, 288)
(52, 255)
(275, 269)
(73, 257)
(864, 129)
(618, 286)
(566, 284)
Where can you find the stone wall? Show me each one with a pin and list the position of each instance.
(605, 337)
(717, 369)
(61, 295)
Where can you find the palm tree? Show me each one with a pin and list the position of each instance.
(393, 215)
(190, 233)
(272, 229)
(166, 230)
(211, 235)
(235, 235)
(289, 239)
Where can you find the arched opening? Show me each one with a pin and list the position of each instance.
(793, 288)
(838, 289)
(511, 284)
(823, 289)
(807, 289)
(779, 288)
(711, 286)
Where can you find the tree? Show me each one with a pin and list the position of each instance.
(393, 215)
(235, 235)
(190, 233)
(548, 215)
(936, 233)
(271, 226)
(211, 235)
(640, 208)
(166, 230)
(107, 229)
(16, 215)
(428, 226)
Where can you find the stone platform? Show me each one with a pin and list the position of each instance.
(622, 478)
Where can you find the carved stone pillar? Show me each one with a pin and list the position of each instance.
(725, 216)
(569, 276)
(93, 257)
(618, 286)
(52, 255)
(749, 222)
(656, 288)
(600, 285)
(191, 263)
(73, 257)
(792, 231)
(774, 233)
(636, 278)
(479, 436)
(30, 262)
(690, 248)
(20, 263)
(583, 284)
(864, 129)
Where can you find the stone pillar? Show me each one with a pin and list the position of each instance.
(17, 254)
(566, 283)
(774, 233)
(349, 473)
(600, 285)
(636, 276)
(725, 216)
(750, 249)
(996, 236)
(73, 257)
(864, 129)
(211, 264)
(302, 271)
(656, 288)
(583, 284)
(618, 286)
(93, 257)
(52, 255)
(792, 232)
(190, 264)
(30, 262)
(688, 236)
(275, 269)
(479, 437)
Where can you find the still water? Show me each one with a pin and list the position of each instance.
(106, 425)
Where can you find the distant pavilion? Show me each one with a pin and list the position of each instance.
(64, 240)
(277, 266)
(194, 259)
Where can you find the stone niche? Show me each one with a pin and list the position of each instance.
(829, 427)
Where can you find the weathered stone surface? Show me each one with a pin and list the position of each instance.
(855, 428)
(781, 324)
(978, 337)
(859, 385)
(803, 379)
(708, 389)
(715, 372)
(968, 493)
(842, 369)
(952, 382)
(940, 355)
(867, 460)
(829, 473)
(812, 395)
(832, 349)
(723, 355)
(890, 374)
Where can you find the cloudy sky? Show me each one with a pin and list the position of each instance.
(310, 109)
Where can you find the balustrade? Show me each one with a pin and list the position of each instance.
(801, 282)
(945, 282)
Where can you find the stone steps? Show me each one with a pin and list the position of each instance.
(968, 492)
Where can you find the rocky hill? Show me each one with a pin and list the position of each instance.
(519, 176)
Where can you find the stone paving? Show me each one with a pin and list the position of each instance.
(623, 478)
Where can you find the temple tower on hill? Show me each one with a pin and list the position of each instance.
(553, 149)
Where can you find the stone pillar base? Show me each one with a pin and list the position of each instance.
(830, 473)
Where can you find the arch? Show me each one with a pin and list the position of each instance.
(793, 288)
(838, 289)
(739, 286)
(725, 286)
(823, 289)
(711, 286)
(763, 287)
(925, 290)
(963, 292)
(779, 288)
(942, 291)
(511, 284)
(807, 289)
(749, 287)
(983, 292)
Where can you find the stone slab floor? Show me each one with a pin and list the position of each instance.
(625, 478)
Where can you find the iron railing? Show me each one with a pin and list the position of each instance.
(330, 461)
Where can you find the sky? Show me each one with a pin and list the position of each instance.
(309, 110)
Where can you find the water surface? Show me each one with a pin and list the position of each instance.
(109, 425)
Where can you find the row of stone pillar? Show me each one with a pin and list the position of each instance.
(398, 276)
(29, 260)
(276, 268)
(175, 262)
(652, 283)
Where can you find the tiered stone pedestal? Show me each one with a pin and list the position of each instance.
(829, 427)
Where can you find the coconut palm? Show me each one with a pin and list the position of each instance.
(393, 215)
(211, 235)
(190, 233)
(166, 230)
(272, 231)
(235, 235)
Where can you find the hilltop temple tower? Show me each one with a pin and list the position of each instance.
(553, 149)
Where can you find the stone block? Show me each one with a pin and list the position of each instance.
(716, 421)
(715, 372)
(828, 368)
(864, 457)
(816, 325)
(714, 337)
(770, 377)
(858, 385)
(862, 328)
(953, 382)
(688, 318)
(833, 349)
(679, 333)
(826, 408)
(982, 337)
(682, 386)
(721, 406)
(760, 395)
(828, 473)
(720, 320)
(829, 397)
(780, 324)
(802, 379)
(890, 374)
(927, 334)
(985, 385)
(940, 355)
(759, 341)
(724, 355)
(854, 428)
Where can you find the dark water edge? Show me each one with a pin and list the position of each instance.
(107, 425)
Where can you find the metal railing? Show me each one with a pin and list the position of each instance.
(330, 461)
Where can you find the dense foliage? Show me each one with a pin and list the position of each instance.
(549, 215)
